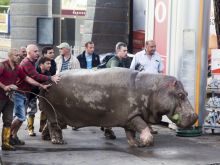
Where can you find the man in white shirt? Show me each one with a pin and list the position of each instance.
(148, 60)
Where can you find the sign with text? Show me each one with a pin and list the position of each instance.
(4, 23)
(161, 28)
(74, 7)
(215, 61)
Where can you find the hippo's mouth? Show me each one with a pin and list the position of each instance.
(176, 118)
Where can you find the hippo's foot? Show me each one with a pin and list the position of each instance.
(146, 138)
(131, 138)
(57, 141)
(55, 133)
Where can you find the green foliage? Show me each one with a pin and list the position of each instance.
(5, 3)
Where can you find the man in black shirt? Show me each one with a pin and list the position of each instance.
(88, 59)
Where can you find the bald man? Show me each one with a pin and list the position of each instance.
(22, 53)
(9, 73)
(27, 65)
(148, 60)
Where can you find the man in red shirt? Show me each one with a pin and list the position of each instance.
(9, 73)
(27, 65)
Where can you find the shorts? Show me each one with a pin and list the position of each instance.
(20, 101)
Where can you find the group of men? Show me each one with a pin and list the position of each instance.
(25, 71)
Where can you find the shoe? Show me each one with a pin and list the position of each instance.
(6, 146)
(109, 134)
(75, 129)
(31, 133)
(214, 102)
(213, 83)
(16, 141)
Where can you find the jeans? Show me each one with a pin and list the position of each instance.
(32, 107)
(20, 101)
(6, 108)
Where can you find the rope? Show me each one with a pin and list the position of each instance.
(37, 95)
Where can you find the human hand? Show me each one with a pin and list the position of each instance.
(56, 78)
(10, 87)
(45, 87)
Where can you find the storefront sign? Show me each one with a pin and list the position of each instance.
(161, 28)
(215, 61)
(74, 7)
(4, 23)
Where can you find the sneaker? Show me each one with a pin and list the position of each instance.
(217, 83)
(212, 83)
(214, 102)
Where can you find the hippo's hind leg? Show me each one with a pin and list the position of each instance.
(55, 133)
(139, 125)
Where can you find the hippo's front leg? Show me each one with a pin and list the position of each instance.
(131, 138)
(139, 125)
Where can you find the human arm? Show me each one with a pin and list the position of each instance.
(133, 63)
(35, 83)
(8, 88)
(29, 69)
(113, 62)
(161, 66)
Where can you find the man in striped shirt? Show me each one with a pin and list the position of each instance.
(9, 73)
(66, 61)
(27, 65)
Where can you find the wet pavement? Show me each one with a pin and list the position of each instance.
(89, 147)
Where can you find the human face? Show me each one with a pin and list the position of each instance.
(90, 48)
(46, 66)
(64, 51)
(15, 57)
(33, 52)
(122, 52)
(23, 52)
(50, 54)
(151, 48)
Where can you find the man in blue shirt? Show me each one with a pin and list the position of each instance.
(88, 59)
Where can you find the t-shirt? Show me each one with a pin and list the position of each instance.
(115, 62)
(88, 61)
(9, 76)
(153, 65)
(65, 64)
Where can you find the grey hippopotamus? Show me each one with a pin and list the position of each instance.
(116, 97)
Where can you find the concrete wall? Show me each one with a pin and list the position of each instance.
(24, 15)
(106, 23)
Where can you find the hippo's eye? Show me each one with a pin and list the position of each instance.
(181, 96)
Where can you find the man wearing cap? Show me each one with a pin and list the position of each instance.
(66, 61)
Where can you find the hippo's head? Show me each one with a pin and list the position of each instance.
(171, 99)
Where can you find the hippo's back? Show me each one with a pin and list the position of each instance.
(84, 97)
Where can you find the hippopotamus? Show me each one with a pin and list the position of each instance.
(116, 97)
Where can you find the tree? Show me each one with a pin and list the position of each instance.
(217, 19)
(4, 3)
